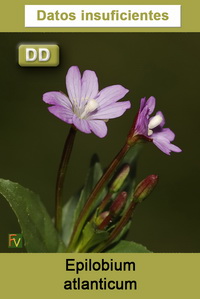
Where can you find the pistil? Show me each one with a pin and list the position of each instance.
(91, 106)
(154, 122)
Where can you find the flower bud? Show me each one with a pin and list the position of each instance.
(105, 218)
(118, 203)
(106, 221)
(101, 218)
(119, 180)
(145, 187)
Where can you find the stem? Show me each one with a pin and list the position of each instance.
(105, 201)
(61, 176)
(96, 191)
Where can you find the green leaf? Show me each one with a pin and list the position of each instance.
(129, 185)
(68, 218)
(128, 247)
(124, 230)
(94, 174)
(37, 227)
(91, 237)
(131, 158)
(74, 206)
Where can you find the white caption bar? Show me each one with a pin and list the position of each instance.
(102, 15)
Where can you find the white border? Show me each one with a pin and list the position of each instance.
(174, 12)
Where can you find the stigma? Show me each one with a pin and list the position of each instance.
(153, 123)
(91, 106)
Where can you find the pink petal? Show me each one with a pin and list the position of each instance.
(164, 144)
(111, 111)
(167, 133)
(73, 84)
(90, 86)
(98, 127)
(111, 94)
(63, 113)
(142, 103)
(56, 98)
(141, 126)
(161, 114)
(151, 102)
(175, 148)
(81, 124)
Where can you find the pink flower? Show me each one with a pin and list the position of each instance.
(85, 107)
(152, 127)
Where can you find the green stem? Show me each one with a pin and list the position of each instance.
(96, 191)
(61, 176)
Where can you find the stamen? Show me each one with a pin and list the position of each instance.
(155, 121)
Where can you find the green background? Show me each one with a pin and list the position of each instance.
(164, 65)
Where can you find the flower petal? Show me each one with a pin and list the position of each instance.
(111, 94)
(142, 104)
(73, 84)
(90, 86)
(111, 111)
(141, 126)
(164, 144)
(161, 114)
(98, 127)
(151, 102)
(56, 98)
(81, 124)
(63, 113)
(142, 121)
(167, 133)
(175, 148)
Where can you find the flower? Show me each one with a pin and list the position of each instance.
(145, 187)
(85, 107)
(151, 128)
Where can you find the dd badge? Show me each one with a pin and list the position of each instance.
(38, 55)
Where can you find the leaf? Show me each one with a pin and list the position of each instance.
(37, 227)
(131, 158)
(68, 218)
(94, 174)
(129, 185)
(124, 230)
(91, 237)
(74, 206)
(128, 247)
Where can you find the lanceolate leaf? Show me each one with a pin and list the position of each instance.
(122, 233)
(128, 247)
(76, 203)
(37, 227)
(94, 174)
(68, 218)
(129, 185)
(131, 158)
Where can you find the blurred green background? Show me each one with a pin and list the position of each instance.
(164, 65)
